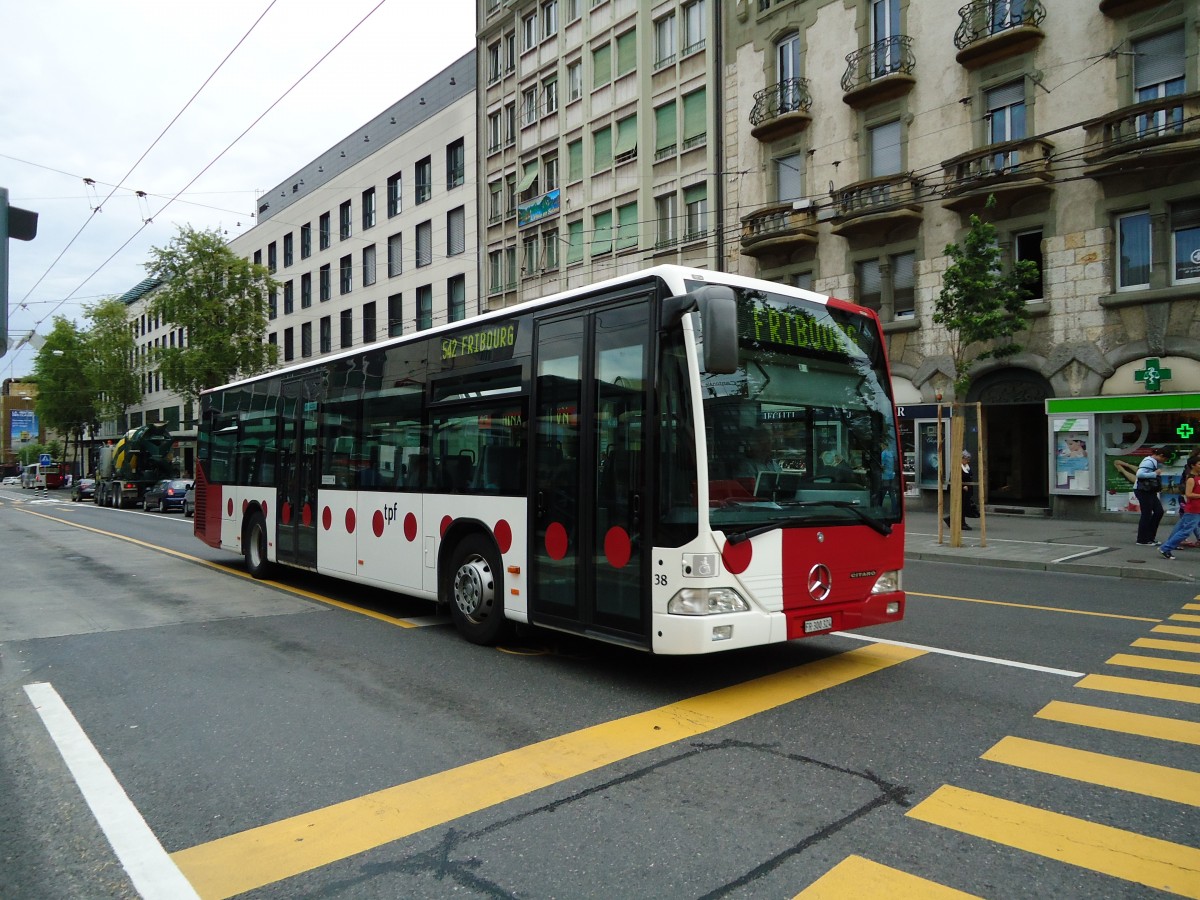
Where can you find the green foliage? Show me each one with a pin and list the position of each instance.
(220, 301)
(978, 303)
(66, 400)
(30, 453)
(111, 346)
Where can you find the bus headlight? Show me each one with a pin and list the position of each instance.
(887, 582)
(706, 602)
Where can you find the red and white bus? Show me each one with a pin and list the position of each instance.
(37, 476)
(582, 462)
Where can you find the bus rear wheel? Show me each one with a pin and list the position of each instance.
(475, 591)
(254, 544)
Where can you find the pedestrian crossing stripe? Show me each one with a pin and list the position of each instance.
(1176, 629)
(1137, 687)
(1124, 722)
(1177, 646)
(1183, 617)
(1130, 775)
(1133, 857)
(856, 876)
(1157, 663)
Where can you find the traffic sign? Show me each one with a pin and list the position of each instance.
(45, 460)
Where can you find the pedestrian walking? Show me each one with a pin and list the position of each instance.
(1190, 509)
(968, 491)
(1147, 488)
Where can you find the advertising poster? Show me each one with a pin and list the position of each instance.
(24, 428)
(1072, 465)
(1121, 474)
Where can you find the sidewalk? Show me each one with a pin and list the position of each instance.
(1061, 545)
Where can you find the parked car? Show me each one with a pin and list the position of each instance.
(167, 495)
(83, 489)
(12, 481)
(189, 501)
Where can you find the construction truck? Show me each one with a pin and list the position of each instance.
(137, 461)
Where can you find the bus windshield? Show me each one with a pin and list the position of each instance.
(803, 433)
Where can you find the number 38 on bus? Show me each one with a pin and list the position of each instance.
(676, 460)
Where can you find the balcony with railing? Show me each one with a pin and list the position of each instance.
(878, 72)
(779, 228)
(877, 206)
(1010, 172)
(992, 30)
(1145, 136)
(782, 110)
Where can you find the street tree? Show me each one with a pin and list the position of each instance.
(111, 351)
(66, 400)
(981, 306)
(219, 301)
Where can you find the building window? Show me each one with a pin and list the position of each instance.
(368, 262)
(1005, 120)
(529, 105)
(1159, 71)
(395, 255)
(510, 124)
(345, 226)
(272, 305)
(601, 66)
(395, 315)
(346, 272)
(529, 30)
(1185, 242)
(572, 10)
(695, 27)
(884, 141)
(550, 174)
(495, 202)
(789, 177)
(424, 243)
(425, 307)
(626, 52)
(289, 352)
(456, 231)
(495, 271)
(1135, 239)
(527, 187)
(1027, 245)
(326, 282)
(368, 208)
(424, 179)
(574, 81)
(323, 228)
(306, 290)
(369, 323)
(550, 249)
(695, 119)
(787, 70)
(306, 240)
(695, 211)
(601, 233)
(495, 133)
(666, 213)
(529, 254)
(550, 96)
(664, 40)
(888, 281)
(456, 298)
(1133, 250)
(326, 334)
(271, 257)
(885, 31)
(549, 18)
(510, 51)
(627, 226)
(574, 242)
(666, 131)
(602, 148)
(257, 262)
(456, 163)
(493, 62)
(289, 298)
(626, 148)
(346, 327)
(306, 344)
(288, 252)
(574, 161)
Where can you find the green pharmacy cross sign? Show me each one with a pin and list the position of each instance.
(1153, 375)
(1185, 431)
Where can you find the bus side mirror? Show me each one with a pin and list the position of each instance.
(717, 306)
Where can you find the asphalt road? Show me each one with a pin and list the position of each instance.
(311, 738)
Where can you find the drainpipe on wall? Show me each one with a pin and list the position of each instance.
(718, 132)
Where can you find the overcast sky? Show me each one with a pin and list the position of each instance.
(89, 86)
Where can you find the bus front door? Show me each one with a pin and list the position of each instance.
(296, 507)
(588, 496)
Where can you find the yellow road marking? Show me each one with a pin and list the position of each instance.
(856, 877)
(1134, 776)
(1136, 687)
(1157, 663)
(220, 567)
(1053, 609)
(1184, 617)
(1176, 629)
(1180, 646)
(269, 853)
(1112, 851)
(1123, 722)
(1191, 606)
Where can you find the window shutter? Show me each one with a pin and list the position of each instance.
(602, 236)
(665, 127)
(602, 65)
(695, 115)
(885, 149)
(626, 136)
(531, 174)
(627, 226)
(456, 231)
(627, 52)
(574, 241)
(1158, 59)
(791, 177)
(602, 158)
(1006, 95)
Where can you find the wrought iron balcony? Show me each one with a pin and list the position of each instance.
(877, 205)
(781, 110)
(1157, 133)
(779, 228)
(992, 30)
(1009, 171)
(879, 71)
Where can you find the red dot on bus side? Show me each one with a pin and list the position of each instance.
(229, 508)
(410, 527)
(306, 515)
(264, 509)
(503, 533)
(285, 515)
(737, 556)
(556, 540)
(377, 523)
(446, 520)
(351, 521)
(245, 506)
(616, 547)
(327, 518)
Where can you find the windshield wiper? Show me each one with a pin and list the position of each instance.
(879, 525)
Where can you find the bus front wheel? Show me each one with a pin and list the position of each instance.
(475, 588)
(254, 544)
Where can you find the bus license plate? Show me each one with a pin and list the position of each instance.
(818, 624)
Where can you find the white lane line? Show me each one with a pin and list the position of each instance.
(152, 871)
(1012, 663)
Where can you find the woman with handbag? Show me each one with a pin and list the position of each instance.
(1146, 489)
